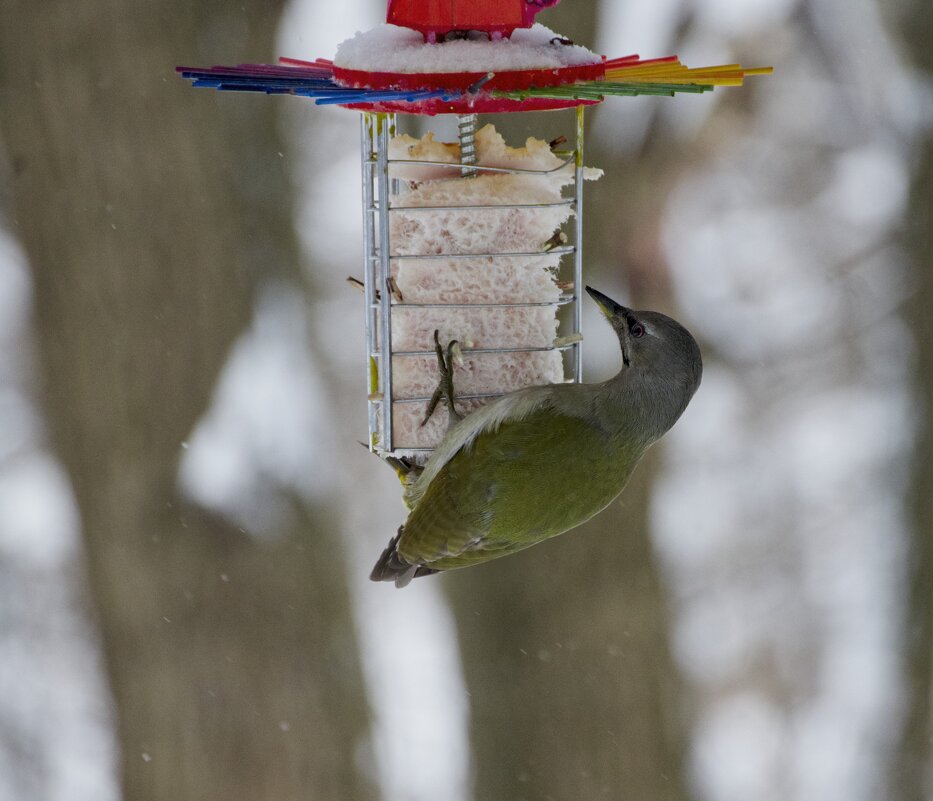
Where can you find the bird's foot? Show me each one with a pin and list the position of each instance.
(445, 387)
(406, 470)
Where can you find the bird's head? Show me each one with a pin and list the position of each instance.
(653, 344)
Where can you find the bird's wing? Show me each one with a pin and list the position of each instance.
(509, 408)
(510, 486)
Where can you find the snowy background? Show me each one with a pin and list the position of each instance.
(778, 513)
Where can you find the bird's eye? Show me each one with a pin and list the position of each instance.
(637, 330)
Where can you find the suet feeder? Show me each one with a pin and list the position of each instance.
(466, 238)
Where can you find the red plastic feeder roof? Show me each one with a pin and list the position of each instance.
(506, 81)
(480, 103)
(439, 17)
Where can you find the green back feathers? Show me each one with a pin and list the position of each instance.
(507, 489)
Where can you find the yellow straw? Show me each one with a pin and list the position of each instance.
(676, 73)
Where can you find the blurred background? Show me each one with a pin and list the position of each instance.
(187, 522)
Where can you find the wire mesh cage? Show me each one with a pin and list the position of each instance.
(476, 252)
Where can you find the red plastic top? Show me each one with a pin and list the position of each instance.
(509, 81)
(435, 18)
(480, 104)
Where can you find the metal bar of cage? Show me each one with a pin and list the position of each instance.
(386, 123)
(562, 301)
(465, 396)
(427, 256)
(367, 148)
(567, 202)
(483, 168)
(578, 249)
(538, 349)
(377, 129)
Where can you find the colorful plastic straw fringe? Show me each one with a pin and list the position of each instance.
(626, 76)
(314, 79)
(630, 76)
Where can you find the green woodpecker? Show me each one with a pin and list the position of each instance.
(537, 462)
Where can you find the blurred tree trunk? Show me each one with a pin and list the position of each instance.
(148, 212)
(565, 651)
(912, 776)
(566, 645)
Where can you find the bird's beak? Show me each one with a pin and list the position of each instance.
(607, 305)
(615, 312)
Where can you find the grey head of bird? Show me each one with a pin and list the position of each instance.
(661, 359)
(652, 343)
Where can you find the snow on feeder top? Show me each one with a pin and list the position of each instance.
(390, 58)
(464, 240)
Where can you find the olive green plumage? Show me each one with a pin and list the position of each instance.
(538, 462)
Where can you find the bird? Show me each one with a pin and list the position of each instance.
(540, 461)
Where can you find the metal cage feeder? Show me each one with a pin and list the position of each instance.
(384, 302)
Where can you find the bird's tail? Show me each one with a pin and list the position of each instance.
(391, 566)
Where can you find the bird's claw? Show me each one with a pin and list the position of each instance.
(445, 387)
